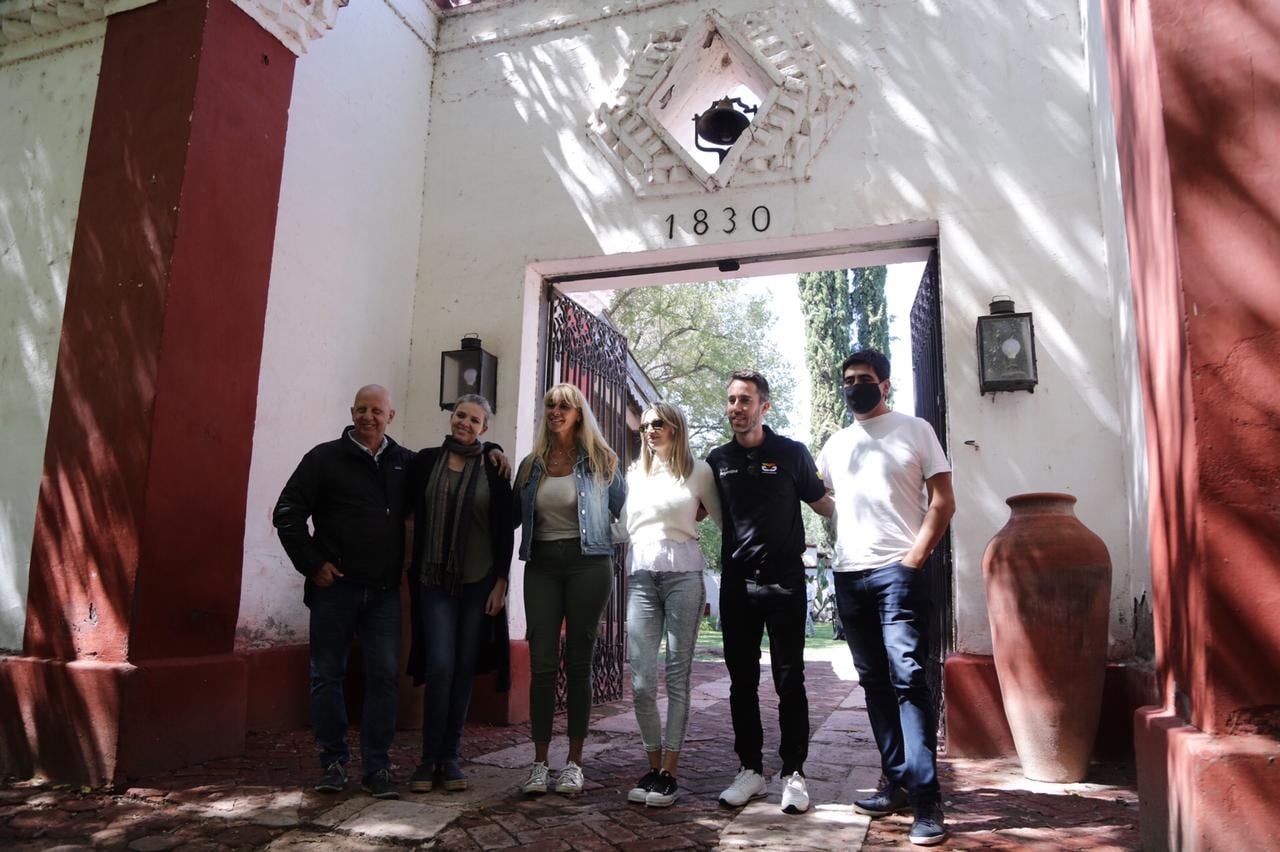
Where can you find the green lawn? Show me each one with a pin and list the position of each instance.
(711, 643)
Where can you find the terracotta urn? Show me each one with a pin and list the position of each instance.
(1048, 580)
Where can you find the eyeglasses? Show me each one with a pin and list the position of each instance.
(652, 425)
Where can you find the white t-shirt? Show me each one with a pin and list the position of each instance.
(876, 469)
(660, 506)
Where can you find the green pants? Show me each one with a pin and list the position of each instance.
(563, 586)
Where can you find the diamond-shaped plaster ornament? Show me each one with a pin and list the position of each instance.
(803, 89)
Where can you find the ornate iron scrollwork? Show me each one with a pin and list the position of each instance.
(931, 404)
(586, 351)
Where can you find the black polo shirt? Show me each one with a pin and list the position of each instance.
(761, 489)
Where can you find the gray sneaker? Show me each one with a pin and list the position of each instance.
(570, 781)
(538, 781)
(928, 828)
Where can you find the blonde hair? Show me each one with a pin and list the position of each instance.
(602, 460)
(681, 462)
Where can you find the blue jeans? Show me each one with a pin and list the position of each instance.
(885, 613)
(658, 603)
(451, 638)
(339, 613)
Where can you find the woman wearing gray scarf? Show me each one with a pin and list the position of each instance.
(462, 541)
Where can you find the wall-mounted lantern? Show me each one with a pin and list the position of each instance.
(1006, 349)
(721, 125)
(468, 370)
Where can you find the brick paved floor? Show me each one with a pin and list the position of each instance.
(264, 799)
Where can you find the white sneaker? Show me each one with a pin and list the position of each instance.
(795, 794)
(536, 783)
(570, 781)
(747, 785)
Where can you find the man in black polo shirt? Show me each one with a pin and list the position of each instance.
(762, 478)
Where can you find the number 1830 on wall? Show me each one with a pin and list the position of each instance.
(726, 222)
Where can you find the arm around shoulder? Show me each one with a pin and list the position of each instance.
(505, 518)
(707, 493)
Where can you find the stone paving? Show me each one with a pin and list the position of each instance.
(264, 800)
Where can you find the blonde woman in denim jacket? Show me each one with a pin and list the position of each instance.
(568, 491)
(668, 492)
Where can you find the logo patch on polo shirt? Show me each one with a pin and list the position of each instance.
(768, 467)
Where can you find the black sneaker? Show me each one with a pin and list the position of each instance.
(640, 792)
(889, 799)
(423, 779)
(664, 791)
(927, 830)
(379, 785)
(333, 779)
(454, 779)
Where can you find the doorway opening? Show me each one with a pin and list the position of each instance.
(618, 334)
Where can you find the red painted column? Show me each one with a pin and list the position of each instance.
(1196, 90)
(135, 573)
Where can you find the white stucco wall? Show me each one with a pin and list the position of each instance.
(344, 270)
(1131, 603)
(46, 108)
(967, 119)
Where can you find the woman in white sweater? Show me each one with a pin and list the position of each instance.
(668, 490)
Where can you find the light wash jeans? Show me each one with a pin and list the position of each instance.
(659, 602)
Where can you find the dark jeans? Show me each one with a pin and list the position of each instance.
(886, 617)
(746, 611)
(451, 633)
(561, 586)
(338, 614)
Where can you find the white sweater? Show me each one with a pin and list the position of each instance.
(659, 506)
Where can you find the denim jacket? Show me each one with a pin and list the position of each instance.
(598, 505)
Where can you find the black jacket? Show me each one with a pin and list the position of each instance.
(495, 648)
(357, 507)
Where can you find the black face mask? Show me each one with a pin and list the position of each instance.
(862, 397)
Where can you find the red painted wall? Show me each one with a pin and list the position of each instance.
(140, 525)
(1196, 87)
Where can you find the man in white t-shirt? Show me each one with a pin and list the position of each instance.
(892, 487)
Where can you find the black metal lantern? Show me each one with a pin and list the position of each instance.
(1006, 349)
(721, 125)
(468, 370)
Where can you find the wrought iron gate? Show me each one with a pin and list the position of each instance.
(583, 350)
(931, 404)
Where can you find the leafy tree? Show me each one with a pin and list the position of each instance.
(843, 311)
(870, 308)
(828, 322)
(690, 337)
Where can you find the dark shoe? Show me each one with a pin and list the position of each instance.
(927, 830)
(423, 779)
(455, 780)
(889, 799)
(640, 792)
(379, 785)
(333, 779)
(664, 791)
